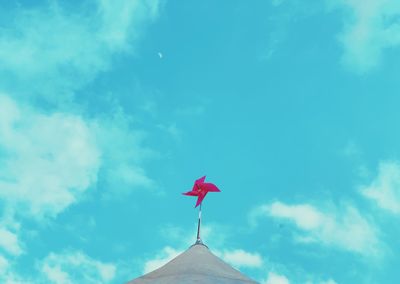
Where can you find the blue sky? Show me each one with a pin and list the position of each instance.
(109, 110)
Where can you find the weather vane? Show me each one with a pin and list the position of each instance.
(200, 189)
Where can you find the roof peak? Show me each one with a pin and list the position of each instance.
(200, 243)
(195, 265)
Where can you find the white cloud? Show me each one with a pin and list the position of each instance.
(4, 264)
(118, 18)
(370, 27)
(305, 216)
(56, 275)
(76, 267)
(47, 161)
(9, 242)
(69, 267)
(240, 258)
(274, 278)
(122, 155)
(8, 275)
(330, 281)
(51, 51)
(61, 50)
(385, 187)
(50, 158)
(344, 228)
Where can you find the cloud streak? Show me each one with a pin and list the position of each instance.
(60, 51)
(10, 243)
(343, 228)
(76, 267)
(370, 27)
(240, 258)
(48, 160)
(53, 153)
(384, 189)
(274, 278)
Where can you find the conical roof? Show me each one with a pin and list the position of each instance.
(195, 265)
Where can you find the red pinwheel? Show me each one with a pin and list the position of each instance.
(200, 189)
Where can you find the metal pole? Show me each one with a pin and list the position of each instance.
(198, 240)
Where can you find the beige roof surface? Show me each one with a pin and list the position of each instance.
(195, 265)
